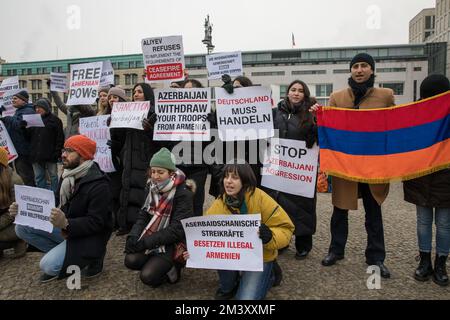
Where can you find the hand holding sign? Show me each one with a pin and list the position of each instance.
(13, 209)
(58, 218)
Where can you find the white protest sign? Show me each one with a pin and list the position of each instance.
(58, 82)
(246, 114)
(129, 114)
(96, 129)
(163, 58)
(107, 74)
(224, 242)
(33, 120)
(182, 114)
(8, 88)
(224, 63)
(6, 142)
(35, 205)
(291, 167)
(84, 83)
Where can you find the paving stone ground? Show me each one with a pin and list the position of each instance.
(303, 280)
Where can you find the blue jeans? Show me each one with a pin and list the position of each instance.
(252, 285)
(53, 261)
(40, 169)
(425, 230)
(42, 240)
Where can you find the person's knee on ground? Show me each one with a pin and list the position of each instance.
(48, 266)
(134, 261)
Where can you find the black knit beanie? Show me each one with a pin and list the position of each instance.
(363, 57)
(433, 85)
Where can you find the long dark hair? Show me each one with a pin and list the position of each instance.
(149, 95)
(195, 83)
(302, 110)
(245, 173)
(244, 81)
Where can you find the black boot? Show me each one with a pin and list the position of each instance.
(425, 270)
(440, 272)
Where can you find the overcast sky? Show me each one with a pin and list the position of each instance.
(58, 29)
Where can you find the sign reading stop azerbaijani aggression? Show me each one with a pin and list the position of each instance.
(224, 242)
(291, 167)
(163, 58)
(246, 114)
(58, 82)
(182, 115)
(35, 205)
(8, 88)
(129, 114)
(84, 83)
(224, 63)
(96, 128)
(6, 142)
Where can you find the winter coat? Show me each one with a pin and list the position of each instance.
(301, 210)
(5, 218)
(73, 113)
(182, 208)
(345, 192)
(90, 219)
(431, 191)
(19, 135)
(47, 142)
(272, 214)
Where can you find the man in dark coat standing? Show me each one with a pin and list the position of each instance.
(82, 221)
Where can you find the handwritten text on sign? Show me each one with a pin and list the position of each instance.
(96, 129)
(84, 82)
(182, 115)
(35, 205)
(246, 114)
(129, 114)
(291, 167)
(224, 242)
(163, 58)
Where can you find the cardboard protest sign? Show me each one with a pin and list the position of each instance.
(33, 120)
(182, 115)
(163, 58)
(84, 83)
(96, 129)
(291, 167)
(129, 114)
(246, 114)
(224, 63)
(8, 88)
(35, 205)
(58, 82)
(224, 242)
(6, 142)
(107, 77)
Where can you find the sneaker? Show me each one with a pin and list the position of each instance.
(93, 270)
(44, 278)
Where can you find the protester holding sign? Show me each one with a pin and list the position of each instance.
(46, 146)
(16, 127)
(151, 244)
(8, 236)
(82, 221)
(294, 121)
(239, 195)
(102, 103)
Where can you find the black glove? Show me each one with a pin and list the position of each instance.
(49, 83)
(211, 117)
(113, 144)
(149, 123)
(265, 234)
(146, 243)
(227, 84)
(108, 121)
(23, 124)
(131, 244)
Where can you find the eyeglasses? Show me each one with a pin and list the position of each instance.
(67, 150)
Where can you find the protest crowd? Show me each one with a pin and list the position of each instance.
(134, 169)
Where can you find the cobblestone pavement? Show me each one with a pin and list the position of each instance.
(306, 279)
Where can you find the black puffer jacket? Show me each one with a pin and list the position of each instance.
(90, 219)
(301, 210)
(182, 208)
(432, 191)
(47, 142)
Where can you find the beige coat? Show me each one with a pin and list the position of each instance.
(345, 192)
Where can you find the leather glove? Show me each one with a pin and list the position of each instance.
(13, 209)
(23, 124)
(130, 245)
(149, 123)
(211, 117)
(227, 84)
(265, 234)
(58, 219)
(146, 243)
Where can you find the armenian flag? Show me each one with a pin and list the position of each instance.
(383, 145)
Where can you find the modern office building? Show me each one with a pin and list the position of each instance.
(399, 67)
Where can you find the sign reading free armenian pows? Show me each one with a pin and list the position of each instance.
(224, 242)
(246, 114)
(35, 205)
(291, 167)
(224, 63)
(182, 114)
(96, 128)
(163, 58)
(129, 114)
(84, 83)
